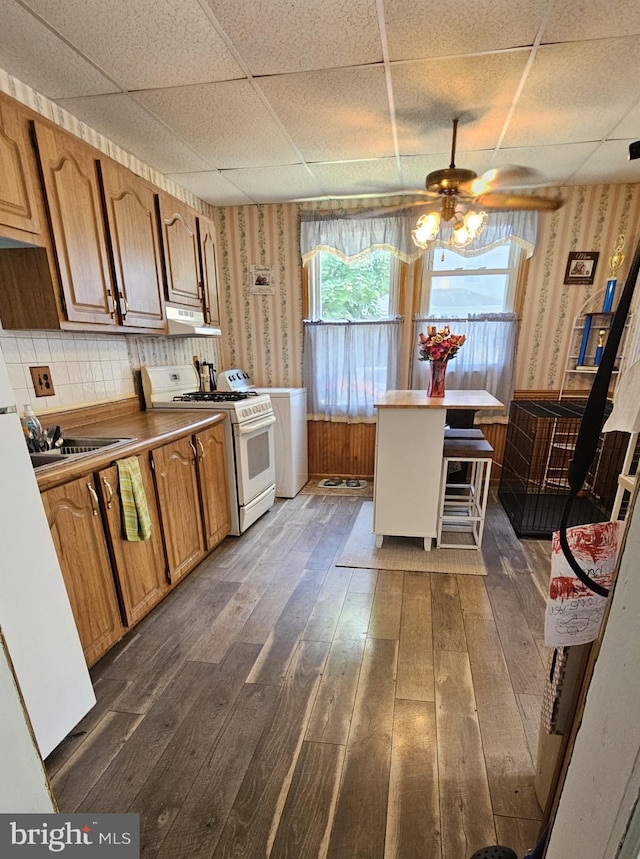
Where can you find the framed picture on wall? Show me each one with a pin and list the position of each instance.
(581, 267)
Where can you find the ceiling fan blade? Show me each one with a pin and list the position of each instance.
(387, 210)
(507, 176)
(504, 200)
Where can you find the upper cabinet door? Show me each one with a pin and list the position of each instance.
(73, 198)
(209, 271)
(18, 208)
(135, 245)
(181, 256)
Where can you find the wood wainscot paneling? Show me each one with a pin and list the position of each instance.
(341, 449)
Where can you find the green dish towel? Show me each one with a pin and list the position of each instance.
(136, 521)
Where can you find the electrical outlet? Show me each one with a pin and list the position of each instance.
(42, 381)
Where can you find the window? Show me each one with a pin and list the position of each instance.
(456, 285)
(352, 348)
(362, 289)
(476, 296)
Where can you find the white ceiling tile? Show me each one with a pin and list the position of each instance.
(212, 187)
(417, 30)
(576, 92)
(31, 52)
(319, 92)
(629, 125)
(575, 20)
(279, 36)
(275, 184)
(119, 118)
(334, 115)
(555, 164)
(347, 178)
(431, 93)
(146, 43)
(227, 123)
(609, 163)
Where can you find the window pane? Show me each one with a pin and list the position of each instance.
(465, 294)
(448, 260)
(355, 290)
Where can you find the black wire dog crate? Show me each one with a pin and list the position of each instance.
(541, 437)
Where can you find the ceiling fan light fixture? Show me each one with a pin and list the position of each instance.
(464, 228)
(426, 230)
(475, 222)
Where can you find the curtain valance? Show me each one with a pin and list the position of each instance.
(349, 235)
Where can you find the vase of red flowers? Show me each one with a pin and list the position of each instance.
(438, 347)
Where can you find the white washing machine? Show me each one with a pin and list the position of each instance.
(290, 409)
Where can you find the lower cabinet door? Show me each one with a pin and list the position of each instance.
(140, 565)
(76, 526)
(212, 472)
(177, 487)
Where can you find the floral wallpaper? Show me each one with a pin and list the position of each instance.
(590, 220)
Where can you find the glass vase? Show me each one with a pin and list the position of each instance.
(437, 373)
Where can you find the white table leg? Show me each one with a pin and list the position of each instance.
(379, 539)
(427, 544)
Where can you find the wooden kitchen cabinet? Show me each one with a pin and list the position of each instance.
(212, 478)
(76, 526)
(176, 481)
(75, 212)
(133, 239)
(98, 265)
(179, 230)
(140, 567)
(191, 482)
(209, 268)
(18, 205)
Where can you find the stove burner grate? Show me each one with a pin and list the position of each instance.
(213, 396)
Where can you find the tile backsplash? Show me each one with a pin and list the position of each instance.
(89, 368)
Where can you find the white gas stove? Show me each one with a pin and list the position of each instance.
(290, 408)
(249, 435)
(177, 388)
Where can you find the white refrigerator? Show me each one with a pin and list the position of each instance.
(35, 615)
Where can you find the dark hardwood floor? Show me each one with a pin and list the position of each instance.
(275, 705)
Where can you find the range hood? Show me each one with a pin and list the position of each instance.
(184, 322)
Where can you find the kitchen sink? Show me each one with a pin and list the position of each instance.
(80, 445)
(46, 458)
(74, 448)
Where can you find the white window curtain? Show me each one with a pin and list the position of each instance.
(349, 235)
(347, 366)
(485, 362)
(352, 235)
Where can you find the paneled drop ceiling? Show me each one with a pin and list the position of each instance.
(274, 100)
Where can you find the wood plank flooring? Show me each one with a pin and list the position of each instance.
(275, 705)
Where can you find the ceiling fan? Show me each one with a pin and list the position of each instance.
(459, 196)
(467, 186)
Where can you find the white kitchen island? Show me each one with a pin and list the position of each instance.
(408, 463)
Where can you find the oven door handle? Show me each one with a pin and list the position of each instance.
(257, 424)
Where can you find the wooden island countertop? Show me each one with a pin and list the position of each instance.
(451, 400)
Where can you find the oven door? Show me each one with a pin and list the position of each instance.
(255, 462)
